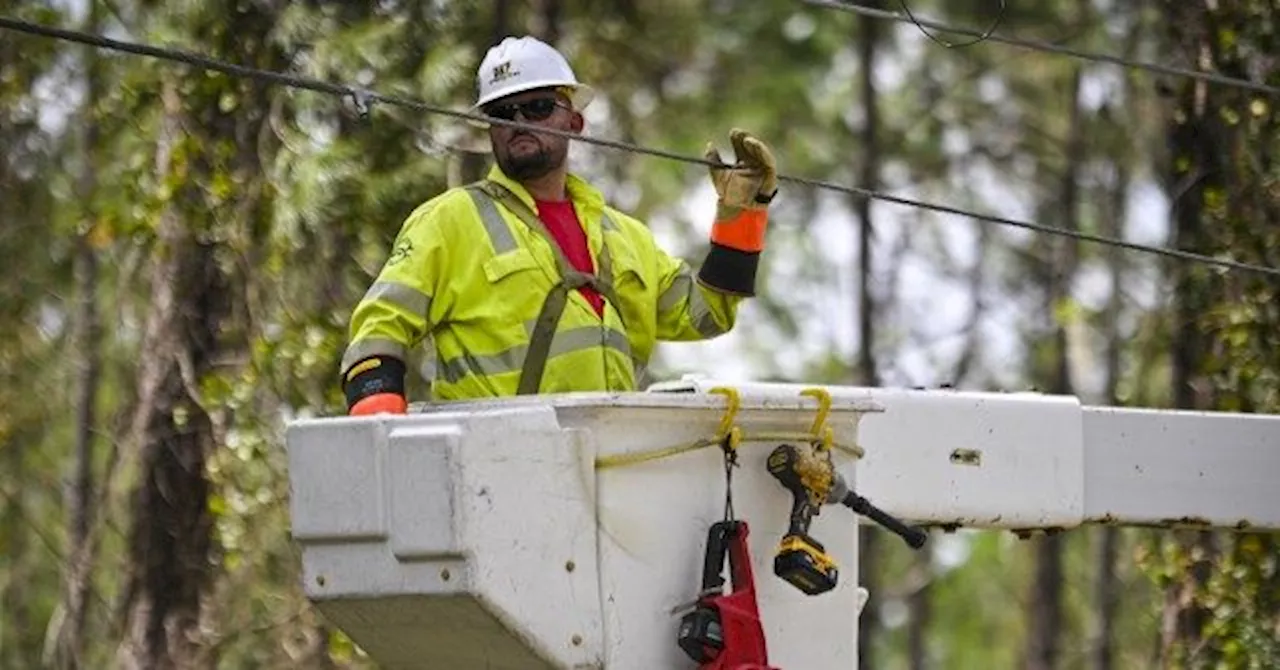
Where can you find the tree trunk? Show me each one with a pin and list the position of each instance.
(466, 167)
(1221, 184)
(80, 507)
(1106, 585)
(972, 350)
(316, 656)
(1184, 616)
(1106, 597)
(1045, 623)
(196, 325)
(920, 606)
(171, 539)
(1194, 134)
(546, 21)
(869, 179)
(1045, 620)
(501, 21)
(469, 161)
(16, 622)
(869, 545)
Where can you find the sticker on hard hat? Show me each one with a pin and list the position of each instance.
(502, 71)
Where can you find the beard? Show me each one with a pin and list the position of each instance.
(530, 165)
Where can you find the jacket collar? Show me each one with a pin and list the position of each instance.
(584, 195)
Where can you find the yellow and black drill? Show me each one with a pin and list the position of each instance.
(810, 476)
(802, 561)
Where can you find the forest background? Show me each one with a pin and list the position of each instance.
(182, 249)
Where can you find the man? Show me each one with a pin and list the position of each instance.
(528, 281)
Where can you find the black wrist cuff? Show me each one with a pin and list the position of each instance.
(730, 270)
(376, 374)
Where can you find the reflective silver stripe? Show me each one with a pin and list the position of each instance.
(707, 326)
(494, 224)
(373, 346)
(617, 341)
(678, 291)
(450, 371)
(700, 313)
(483, 366)
(401, 295)
(511, 360)
(455, 369)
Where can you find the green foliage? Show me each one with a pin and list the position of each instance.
(1235, 328)
(302, 210)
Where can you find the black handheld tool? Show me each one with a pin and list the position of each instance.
(723, 632)
(813, 481)
(802, 561)
(841, 494)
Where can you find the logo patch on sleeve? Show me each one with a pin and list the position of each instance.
(401, 251)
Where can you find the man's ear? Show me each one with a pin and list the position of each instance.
(576, 122)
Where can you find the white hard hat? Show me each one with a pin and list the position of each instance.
(525, 63)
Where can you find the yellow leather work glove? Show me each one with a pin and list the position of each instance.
(745, 190)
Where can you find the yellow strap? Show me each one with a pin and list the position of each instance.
(820, 434)
(635, 458)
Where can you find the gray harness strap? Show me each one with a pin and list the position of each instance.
(544, 330)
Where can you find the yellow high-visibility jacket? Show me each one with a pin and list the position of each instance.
(471, 269)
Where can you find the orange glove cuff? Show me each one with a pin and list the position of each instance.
(380, 403)
(743, 231)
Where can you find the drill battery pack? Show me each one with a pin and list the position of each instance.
(804, 563)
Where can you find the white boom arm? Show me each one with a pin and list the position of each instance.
(1028, 460)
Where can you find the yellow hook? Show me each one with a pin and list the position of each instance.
(821, 432)
(728, 429)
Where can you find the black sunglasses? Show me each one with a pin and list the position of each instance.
(534, 109)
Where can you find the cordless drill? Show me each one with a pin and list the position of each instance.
(813, 481)
(802, 561)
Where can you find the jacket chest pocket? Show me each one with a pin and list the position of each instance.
(628, 271)
(504, 266)
(634, 290)
(515, 287)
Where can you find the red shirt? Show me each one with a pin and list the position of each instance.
(562, 222)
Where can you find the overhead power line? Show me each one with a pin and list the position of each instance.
(363, 98)
(1049, 47)
(982, 37)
